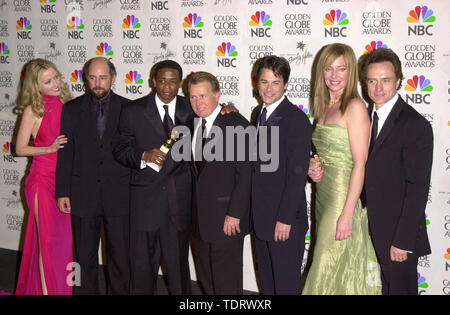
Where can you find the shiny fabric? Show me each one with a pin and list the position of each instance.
(55, 232)
(339, 267)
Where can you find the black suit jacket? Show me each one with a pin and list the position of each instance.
(86, 170)
(223, 188)
(154, 195)
(397, 182)
(280, 195)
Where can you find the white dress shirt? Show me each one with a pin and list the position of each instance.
(270, 109)
(160, 106)
(209, 123)
(383, 112)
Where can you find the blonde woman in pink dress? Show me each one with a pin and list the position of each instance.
(47, 252)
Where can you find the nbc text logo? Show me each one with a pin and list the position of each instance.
(193, 25)
(8, 150)
(75, 26)
(260, 22)
(421, 14)
(226, 53)
(160, 5)
(131, 24)
(48, 6)
(418, 84)
(133, 81)
(23, 28)
(338, 18)
(4, 53)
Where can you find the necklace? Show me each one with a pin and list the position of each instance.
(335, 101)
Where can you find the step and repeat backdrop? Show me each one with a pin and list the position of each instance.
(226, 37)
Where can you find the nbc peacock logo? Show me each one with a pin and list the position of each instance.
(24, 28)
(260, 22)
(77, 81)
(23, 24)
(4, 49)
(421, 13)
(335, 18)
(193, 26)
(419, 83)
(447, 254)
(8, 148)
(304, 109)
(260, 18)
(227, 54)
(75, 23)
(422, 281)
(77, 76)
(420, 87)
(48, 1)
(193, 20)
(131, 27)
(421, 21)
(133, 81)
(374, 45)
(133, 77)
(226, 49)
(4, 53)
(335, 22)
(104, 49)
(131, 22)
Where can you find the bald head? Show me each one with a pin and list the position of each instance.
(101, 75)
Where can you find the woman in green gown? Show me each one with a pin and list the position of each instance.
(344, 260)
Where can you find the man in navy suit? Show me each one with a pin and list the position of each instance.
(278, 189)
(398, 174)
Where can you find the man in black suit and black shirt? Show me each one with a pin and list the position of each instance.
(90, 184)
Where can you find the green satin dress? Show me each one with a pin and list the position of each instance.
(339, 267)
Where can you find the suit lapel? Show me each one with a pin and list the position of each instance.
(152, 114)
(389, 124)
(277, 115)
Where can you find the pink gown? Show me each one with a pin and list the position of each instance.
(55, 227)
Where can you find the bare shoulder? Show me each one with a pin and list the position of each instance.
(29, 114)
(356, 109)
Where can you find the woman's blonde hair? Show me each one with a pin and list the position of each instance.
(30, 94)
(321, 94)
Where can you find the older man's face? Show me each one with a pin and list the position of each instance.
(203, 100)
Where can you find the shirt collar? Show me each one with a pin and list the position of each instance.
(160, 103)
(271, 108)
(212, 117)
(384, 110)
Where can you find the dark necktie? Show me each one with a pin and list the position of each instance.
(374, 132)
(101, 118)
(200, 144)
(167, 121)
(262, 117)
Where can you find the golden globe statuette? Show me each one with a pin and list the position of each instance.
(168, 143)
